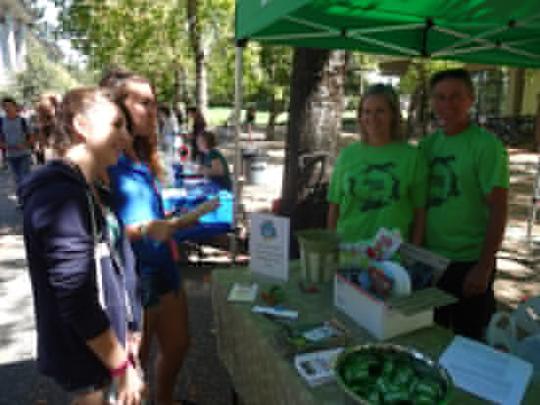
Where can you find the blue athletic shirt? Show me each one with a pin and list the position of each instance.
(137, 199)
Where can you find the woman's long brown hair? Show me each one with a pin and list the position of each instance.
(146, 147)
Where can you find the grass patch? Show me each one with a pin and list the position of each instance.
(220, 115)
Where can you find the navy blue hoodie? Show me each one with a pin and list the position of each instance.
(71, 305)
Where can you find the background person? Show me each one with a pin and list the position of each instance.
(85, 303)
(46, 107)
(198, 126)
(214, 165)
(379, 181)
(467, 203)
(138, 202)
(251, 113)
(16, 139)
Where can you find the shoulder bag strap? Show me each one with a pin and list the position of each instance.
(98, 249)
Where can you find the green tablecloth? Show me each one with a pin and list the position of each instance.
(263, 374)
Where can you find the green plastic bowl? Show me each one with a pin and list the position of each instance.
(423, 366)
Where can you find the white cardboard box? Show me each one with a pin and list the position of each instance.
(374, 315)
(385, 320)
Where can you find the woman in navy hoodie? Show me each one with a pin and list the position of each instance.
(81, 268)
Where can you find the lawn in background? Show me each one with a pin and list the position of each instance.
(218, 116)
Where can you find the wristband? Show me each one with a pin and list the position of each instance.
(121, 369)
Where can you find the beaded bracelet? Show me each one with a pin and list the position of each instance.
(121, 369)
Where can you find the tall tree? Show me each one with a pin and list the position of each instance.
(195, 39)
(314, 112)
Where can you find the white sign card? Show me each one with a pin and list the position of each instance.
(490, 374)
(269, 246)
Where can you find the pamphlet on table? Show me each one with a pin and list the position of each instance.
(316, 367)
(269, 246)
(243, 292)
(488, 373)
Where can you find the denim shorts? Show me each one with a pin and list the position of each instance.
(75, 388)
(157, 283)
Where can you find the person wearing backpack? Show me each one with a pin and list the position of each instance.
(15, 137)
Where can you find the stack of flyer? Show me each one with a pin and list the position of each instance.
(316, 367)
(243, 292)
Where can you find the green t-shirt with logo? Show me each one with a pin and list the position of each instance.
(463, 169)
(377, 186)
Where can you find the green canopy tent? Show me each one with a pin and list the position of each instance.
(480, 31)
(474, 31)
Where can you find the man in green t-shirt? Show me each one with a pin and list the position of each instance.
(467, 203)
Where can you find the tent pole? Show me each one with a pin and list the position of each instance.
(237, 189)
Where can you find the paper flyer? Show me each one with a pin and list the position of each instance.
(269, 246)
(490, 374)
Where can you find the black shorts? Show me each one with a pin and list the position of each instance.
(157, 284)
(470, 315)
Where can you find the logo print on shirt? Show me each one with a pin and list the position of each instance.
(376, 186)
(443, 181)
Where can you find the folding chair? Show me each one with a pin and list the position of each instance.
(535, 203)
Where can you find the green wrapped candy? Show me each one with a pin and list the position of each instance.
(388, 368)
(374, 397)
(424, 400)
(404, 376)
(383, 385)
(428, 388)
(355, 371)
(395, 396)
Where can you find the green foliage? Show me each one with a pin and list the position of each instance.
(275, 74)
(41, 75)
(145, 36)
(411, 79)
(151, 37)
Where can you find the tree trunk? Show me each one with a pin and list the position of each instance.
(177, 96)
(272, 114)
(519, 89)
(315, 110)
(537, 123)
(418, 119)
(201, 90)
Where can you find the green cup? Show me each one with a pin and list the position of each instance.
(319, 255)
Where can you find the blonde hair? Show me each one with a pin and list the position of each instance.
(391, 97)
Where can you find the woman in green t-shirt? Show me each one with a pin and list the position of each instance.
(214, 164)
(379, 181)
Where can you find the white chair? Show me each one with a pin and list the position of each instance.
(527, 317)
(501, 332)
(518, 332)
(535, 203)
